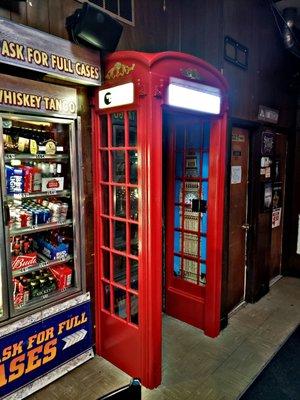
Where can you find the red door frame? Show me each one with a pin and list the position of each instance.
(139, 353)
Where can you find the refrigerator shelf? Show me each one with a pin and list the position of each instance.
(58, 193)
(52, 296)
(40, 228)
(17, 156)
(44, 263)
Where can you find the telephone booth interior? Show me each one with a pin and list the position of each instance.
(159, 132)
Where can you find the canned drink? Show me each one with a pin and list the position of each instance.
(41, 216)
(47, 216)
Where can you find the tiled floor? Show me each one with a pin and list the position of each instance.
(195, 366)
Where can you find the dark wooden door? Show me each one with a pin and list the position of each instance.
(278, 178)
(238, 225)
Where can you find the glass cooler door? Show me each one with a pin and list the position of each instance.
(40, 189)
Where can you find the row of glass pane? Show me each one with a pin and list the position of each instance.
(118, 166)
(119, 138)
(120, 197)
(191, 186)
(125, 304)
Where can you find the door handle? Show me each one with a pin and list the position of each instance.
(246, 226)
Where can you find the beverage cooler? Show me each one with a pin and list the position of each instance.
(41, 258)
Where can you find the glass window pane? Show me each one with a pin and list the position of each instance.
(112, 5)
(190, 244)
(120, 302)
(120, 235)
(105, 232)
(205, 165)
(133, 163)
(202, 244)
(192, 164)
(119, 201)
(134, 309)
(118, 129)
(134, 197)
(203, 226)
(178, 186)
(177, 242)
(134, 242)
(132, 125)
(120, 269)
(204, 194)
(106, 264)
(203, 273)
(104, 131)
(134, 278)
(179, 165)
(180, 139)
(177, 212)
(190, 270)
(118, 165)
(104, 166)
(177, 266)
(206, 135)
(106, 297)
(105, 199)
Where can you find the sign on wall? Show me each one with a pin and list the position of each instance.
(36, 97)
(30, 48)
(44, 346)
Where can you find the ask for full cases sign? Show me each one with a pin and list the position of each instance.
(30, 48)
(43, 350)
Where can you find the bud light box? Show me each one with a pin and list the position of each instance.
(51, 251)
(54, 183)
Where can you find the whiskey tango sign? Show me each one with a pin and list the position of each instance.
(32, 49)
(38, 350)
(37, 97)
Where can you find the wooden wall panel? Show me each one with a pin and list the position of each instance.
(202, 30)
(38, 14)
(58, 12)
(150, 31)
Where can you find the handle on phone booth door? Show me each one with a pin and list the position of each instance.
(246, 226)
(199, 205)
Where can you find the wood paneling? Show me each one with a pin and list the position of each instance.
(276, 233)
(150, 31)
(38, 14)
(63, 9)
(237, 218)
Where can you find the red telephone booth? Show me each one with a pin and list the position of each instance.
(159, 166)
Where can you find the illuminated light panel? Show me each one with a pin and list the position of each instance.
(116, 96)
(195, 97)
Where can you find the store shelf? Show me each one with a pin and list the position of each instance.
(59, 193)
(40, 228)
(44, 263)
(17, 156)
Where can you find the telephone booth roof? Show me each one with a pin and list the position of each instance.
(158, 68)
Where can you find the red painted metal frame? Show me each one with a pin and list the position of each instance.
(137, 350)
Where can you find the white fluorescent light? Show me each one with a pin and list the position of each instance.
(116, 96)
(194, 96)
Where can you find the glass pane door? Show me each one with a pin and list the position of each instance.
(119, 199)
(39, 175)
(190, 202)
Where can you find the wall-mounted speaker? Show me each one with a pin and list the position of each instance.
(92, 27)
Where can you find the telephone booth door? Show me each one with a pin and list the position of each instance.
(186, 208)
(128, 130)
